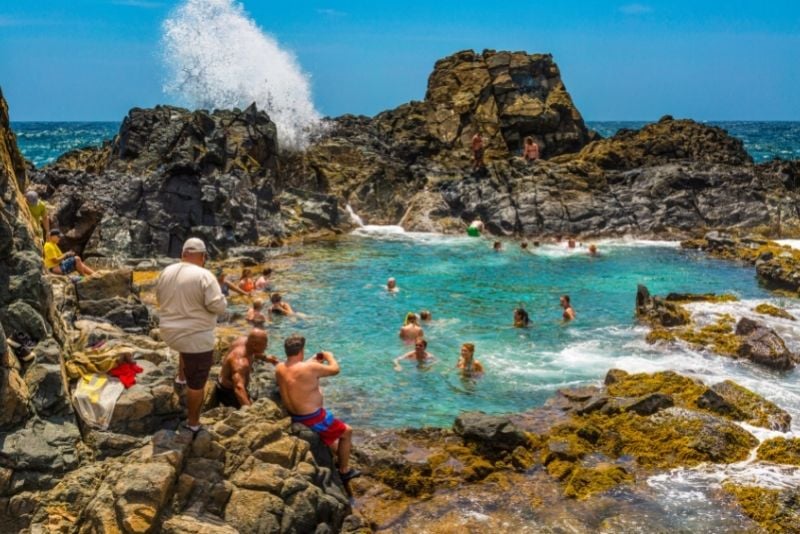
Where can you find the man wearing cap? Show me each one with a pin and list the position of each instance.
(38, 210)
(189, 300)
(58, 262)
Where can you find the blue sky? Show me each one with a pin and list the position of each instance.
(95, 59)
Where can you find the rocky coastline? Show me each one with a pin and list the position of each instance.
(580, 463)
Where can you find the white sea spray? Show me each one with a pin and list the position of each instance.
(217, 57)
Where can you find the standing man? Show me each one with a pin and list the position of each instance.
(189, 300)
(38, 210)
(477, 152)
(298, 381)
(234, 377)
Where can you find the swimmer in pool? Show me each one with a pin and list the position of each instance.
(410, 329)
(569, 313)
(521, 318)
(279, 306)
(391, 285)
(420, 354)
(467, 363)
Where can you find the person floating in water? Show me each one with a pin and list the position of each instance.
(280, 306)
(524, 245)
(497, 247)
(420, 354)
(521, 318)
(411, 329)
(571, 242)
(425, 316)
(225, 286)
(246, 282)
(530, 151)
(298, 381)
(237, 366)
(254, 314)
(263, 283)
(475, 228)
(536, 244)
(58, 262)
(391, 285)
(593, 250)
(477, 152)
(467, 363)
(569, 313)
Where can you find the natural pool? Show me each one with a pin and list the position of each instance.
(472, 293)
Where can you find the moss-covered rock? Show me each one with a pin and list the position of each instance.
(586, 481)
(754, 409)
(780, 451)
(775, 510)
(774, 311)
(718, 336)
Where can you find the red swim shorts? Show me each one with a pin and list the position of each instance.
(323, 423)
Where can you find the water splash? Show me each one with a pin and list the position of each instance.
(358, 221)
(217, 57)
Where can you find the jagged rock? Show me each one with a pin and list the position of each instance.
(46, 386)
(492, 431)
(743, 405)
(657, 311)
(763, 346)
(14, 396)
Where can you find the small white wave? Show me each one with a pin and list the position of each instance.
(217, 57)
(794, 243)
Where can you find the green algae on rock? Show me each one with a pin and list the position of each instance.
(774, 311)
(775, 510)
(780, 451)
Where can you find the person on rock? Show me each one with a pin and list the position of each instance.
(226, 286)
(298, 381)
(38, 210)
(237, 366)
(467, 363)
(530, 150)
(411, 329)
(246, 282)
(263, 283)
(280, 306)
(521, 318)
(420, 354)
(58, 262)
(189, 300)
(254, 315)
(569, 313)
(391, 285)
(477, 152)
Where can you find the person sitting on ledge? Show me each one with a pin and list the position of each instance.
(58, 262)
(254, 315)
(467, 363)
(234, 377)
(280, 306)
(263, 283)
(410, 329)
(298, 382)
(521, 318)
(569, 313)
(420, 354)
(246, 282)
(530, 151)
(391, 285)
(225, 286)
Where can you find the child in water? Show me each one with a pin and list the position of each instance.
(467, 363)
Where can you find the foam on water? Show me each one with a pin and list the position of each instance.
(217, 57)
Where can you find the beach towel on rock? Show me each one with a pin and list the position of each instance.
(126, 372)
(95, 399)
(102, 360)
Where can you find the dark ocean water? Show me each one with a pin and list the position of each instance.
(43, 142)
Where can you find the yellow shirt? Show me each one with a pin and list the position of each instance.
(38, 211)
(51, 255)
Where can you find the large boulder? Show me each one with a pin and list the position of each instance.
(762, 345)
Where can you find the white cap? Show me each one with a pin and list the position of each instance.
(194, 244)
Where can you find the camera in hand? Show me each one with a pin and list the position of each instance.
(320, 356)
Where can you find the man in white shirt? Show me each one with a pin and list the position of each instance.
(189, 300)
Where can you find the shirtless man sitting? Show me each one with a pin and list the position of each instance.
(234, 377)
(410, 329)
(298, 381)
(420, 354)
(279, 306)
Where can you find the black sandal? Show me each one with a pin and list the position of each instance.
(350, 475)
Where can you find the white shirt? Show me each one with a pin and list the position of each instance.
(189, 300)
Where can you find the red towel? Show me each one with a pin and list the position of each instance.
(126, 372)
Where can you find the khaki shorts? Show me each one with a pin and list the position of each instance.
(196, 367)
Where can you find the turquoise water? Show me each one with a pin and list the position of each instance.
(472, 292)
(43, 142)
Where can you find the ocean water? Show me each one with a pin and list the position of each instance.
(472, 293)
(43, 142)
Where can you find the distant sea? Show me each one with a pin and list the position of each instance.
(43, 142)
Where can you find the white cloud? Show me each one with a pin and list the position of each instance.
(331, 12)
(144, 4)
(635, 9)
